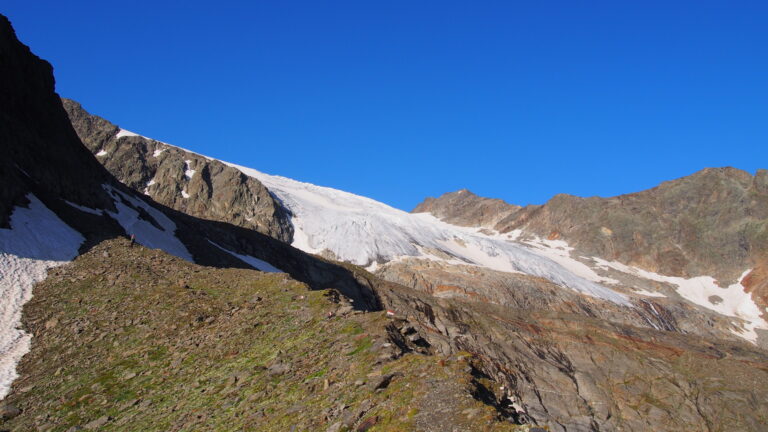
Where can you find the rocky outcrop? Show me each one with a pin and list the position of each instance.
(714, 222)
(463, 208)
(182, 180)
(570, 372)
(756, 283)
(524, 292)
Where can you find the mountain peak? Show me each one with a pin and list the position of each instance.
(464, 208)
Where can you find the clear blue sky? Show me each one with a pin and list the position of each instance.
(400, 100)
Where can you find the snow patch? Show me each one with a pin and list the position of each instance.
(85, 209)
(36, 241)
(560, 252)
(514, 234)
(189, 173)
(146, 233)
(126, 133)
(647, 293)
(736, 303)
(184, 194)
(254, 262)
(146, 188)
(102, 152)
(158, 152)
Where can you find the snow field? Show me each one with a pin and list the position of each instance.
(36, 241)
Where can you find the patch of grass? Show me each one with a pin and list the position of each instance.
(362, 345)
(317, 374)
(352, 329)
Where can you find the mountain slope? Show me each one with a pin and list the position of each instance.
(529, 332)
(705, 235)
(224, 349)
(714, 222)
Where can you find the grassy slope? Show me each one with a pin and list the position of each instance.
(144, 341)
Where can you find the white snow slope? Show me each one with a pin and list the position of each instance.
(254, 262)
(733, 301)
(147, 234)
(36, 241)
(363, 231)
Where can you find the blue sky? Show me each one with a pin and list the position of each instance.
(400, 100)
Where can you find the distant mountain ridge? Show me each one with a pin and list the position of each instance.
(464, 208)
(712, 222)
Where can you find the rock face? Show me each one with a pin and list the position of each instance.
(179, 179)
(714, 222)
(39, 145)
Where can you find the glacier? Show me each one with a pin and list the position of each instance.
(365, 232)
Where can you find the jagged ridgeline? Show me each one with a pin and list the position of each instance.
(212, 321)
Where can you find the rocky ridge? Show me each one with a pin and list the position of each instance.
(714, 222)
(182, 180)
(464, 208)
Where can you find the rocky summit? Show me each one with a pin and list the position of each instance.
(146, 287)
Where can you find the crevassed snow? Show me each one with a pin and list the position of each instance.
(146, 233)
(734, 300)
(254, 262)
(189, 173)
(36, 241)
(125, 133)
(362, 231)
